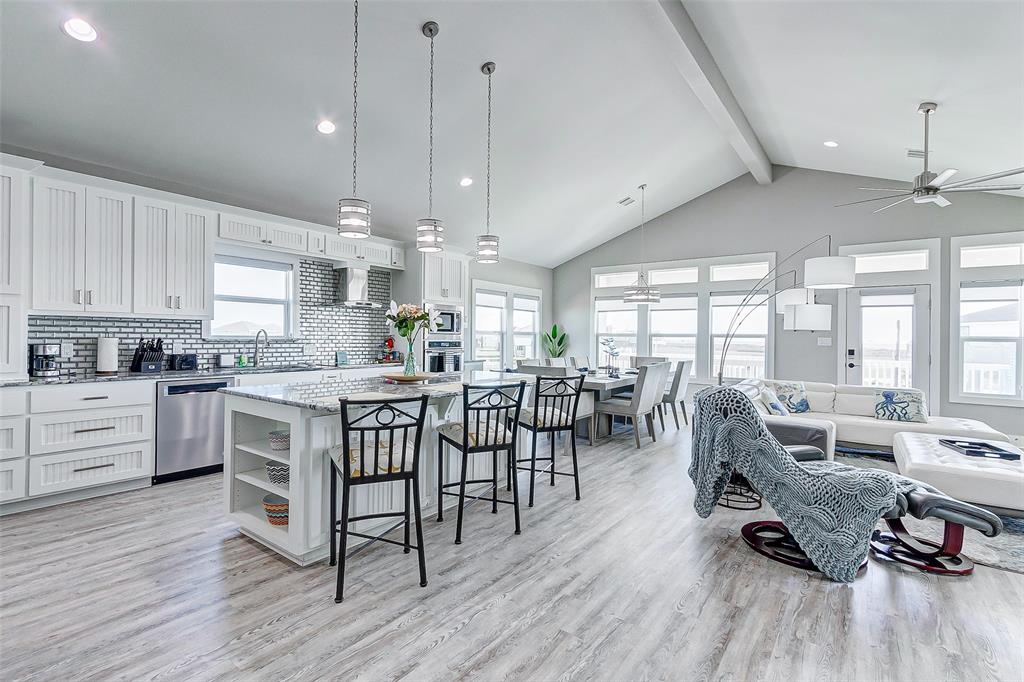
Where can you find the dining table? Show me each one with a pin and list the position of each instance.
(601, 386)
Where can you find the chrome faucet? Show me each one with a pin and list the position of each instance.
(256, 346)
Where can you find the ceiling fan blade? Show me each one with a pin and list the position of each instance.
(984, 188)
(940, 200)
(864, 201)
(893, 204)
(983, 178)
(942, 177)
(884, 189)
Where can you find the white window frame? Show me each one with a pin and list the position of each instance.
(931, 276)
(227, 253)
(958, 275)
(704, 373)
(510, 292)
(695, 336)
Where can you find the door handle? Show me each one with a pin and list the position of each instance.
(88, 296)
(170, 301)
(96, 428)
(97, 466)
(177, 302)
(78, 295)
(850, 365)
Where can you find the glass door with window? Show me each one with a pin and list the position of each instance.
(887, 330)
(489, 329)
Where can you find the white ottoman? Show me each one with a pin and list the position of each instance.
(993, 483)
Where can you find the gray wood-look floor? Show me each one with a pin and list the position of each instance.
(626, 584)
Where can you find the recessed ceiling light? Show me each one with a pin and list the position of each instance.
(326, 127)
(465, 182)
(831, 144)
(80, 29)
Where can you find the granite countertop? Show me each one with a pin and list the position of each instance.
(323, 397)
(92, 377)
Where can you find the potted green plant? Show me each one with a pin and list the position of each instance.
(555, 342)
(409, 320)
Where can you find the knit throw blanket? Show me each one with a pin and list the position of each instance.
(829, 508)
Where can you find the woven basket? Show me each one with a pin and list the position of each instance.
(278, 473)
(276, 508)
(279, 440)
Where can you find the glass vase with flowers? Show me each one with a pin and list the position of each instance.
(409, 320)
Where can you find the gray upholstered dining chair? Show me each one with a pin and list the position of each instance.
(676, 393)
(557, 362)
(647, 393)
(580, 361)
(473, 365)
(529, 361)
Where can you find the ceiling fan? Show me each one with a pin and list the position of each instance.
(927, 185)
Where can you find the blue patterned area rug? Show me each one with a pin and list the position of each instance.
(1005, 551)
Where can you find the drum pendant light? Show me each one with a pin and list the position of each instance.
(353, 213)
(430, 230)
(642, 291)
(487, 244)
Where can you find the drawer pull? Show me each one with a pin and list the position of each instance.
(98, 428)
(95, 466)
(97, 397)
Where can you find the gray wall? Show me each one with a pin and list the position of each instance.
(520, 274)
(744, 217)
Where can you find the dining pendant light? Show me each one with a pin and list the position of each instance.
(641, 291)
(430, 230)
(354, 213)
(487, 244)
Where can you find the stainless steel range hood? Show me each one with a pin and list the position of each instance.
(353, 289)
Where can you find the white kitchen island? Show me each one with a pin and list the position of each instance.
(311, 413)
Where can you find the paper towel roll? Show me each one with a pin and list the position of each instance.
(106, 355)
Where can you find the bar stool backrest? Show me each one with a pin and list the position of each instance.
(386, 434)
(486, 409)
(555, 400)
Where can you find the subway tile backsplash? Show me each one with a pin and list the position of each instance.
(358, 331)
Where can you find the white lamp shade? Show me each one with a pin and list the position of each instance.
(795, 296)
(807, 317)
(829, 272)
(354, 218)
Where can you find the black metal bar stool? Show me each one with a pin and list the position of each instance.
(380, 444)
(486, 410)
(555, 400)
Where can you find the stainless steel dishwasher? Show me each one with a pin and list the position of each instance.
(189, 427)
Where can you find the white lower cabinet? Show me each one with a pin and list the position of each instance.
(58, 431)
(12, 437)
(12, 479)
(91, 396)
(84, 468)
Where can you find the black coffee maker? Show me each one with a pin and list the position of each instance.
(44, 360)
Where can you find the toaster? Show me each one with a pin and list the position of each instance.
(183, 361)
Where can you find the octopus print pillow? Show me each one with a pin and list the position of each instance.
(900, 405)
(792, 394)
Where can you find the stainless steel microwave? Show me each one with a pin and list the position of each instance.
(449, 321)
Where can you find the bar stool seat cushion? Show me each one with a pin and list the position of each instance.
(488, 433)
(337, 453)
(548, 417)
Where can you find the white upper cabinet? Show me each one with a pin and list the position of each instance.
(154, 257)
(193, 261)
(284, 237)
(173, 259)
(341, 247)
(108, 251)
(242, 229)
(12, 336)
(398, 257)
(12, 230)
(444, 278)
(315, 242)
(375, 254)
(58, 246)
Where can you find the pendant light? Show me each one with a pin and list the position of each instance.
(487, 244)
(430, 231)
(641, 291)
(353, 213)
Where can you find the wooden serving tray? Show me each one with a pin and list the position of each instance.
(408, 378)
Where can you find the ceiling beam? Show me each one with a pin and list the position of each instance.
(694, 61)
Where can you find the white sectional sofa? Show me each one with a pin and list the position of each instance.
(848, 414)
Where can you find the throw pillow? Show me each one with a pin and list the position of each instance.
(901, 405)
(772, 403)
(792, 394)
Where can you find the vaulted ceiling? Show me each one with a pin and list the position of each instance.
(223, 97)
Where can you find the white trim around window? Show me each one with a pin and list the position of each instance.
(511, 295)
(1003, 276)
(926, 269)
(680, 279)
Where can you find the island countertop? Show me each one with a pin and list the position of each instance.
(324, 397)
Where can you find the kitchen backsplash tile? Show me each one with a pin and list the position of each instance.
(358, 331)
